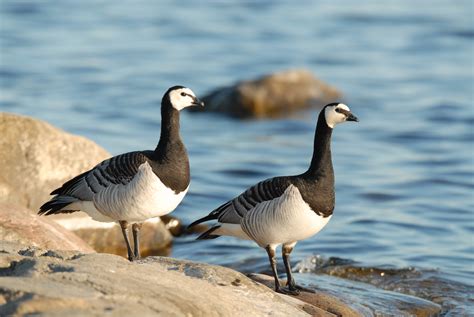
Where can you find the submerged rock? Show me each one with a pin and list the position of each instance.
(272, 95)
(64, 284)
(347, 298)
(456, 298)
(17, 224)
(36, 158)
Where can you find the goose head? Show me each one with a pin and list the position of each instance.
(180, 97)
(336, 113)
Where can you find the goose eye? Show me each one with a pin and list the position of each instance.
(338, 110)
(183, 94)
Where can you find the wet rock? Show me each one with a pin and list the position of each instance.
(455, 298)
(102, 284)
(348, 298)
(174, 225)
(36, 158)
(272, 95)
(17, 224)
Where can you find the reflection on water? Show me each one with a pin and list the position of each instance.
(404, 174)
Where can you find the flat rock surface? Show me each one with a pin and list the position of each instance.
(59, 283)
(272, 95)
(36, 158)
(18, 224)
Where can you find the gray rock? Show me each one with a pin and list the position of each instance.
(17, 224)
(64, 284)
(272, 95)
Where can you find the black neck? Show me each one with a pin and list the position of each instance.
(169, 127)
(321, 163)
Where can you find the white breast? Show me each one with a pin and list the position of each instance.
(283, 220)
(143, 198)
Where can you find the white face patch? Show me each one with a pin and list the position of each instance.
(333, 117)
(182, 98)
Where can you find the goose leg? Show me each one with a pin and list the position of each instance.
(136, 240)
(124, 226)
(290, 281)
(271, 256)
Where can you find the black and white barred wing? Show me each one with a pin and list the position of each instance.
(234, 210)
(96, 184)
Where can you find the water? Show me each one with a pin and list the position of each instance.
(404, 173)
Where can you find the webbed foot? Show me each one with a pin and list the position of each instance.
(287, 291)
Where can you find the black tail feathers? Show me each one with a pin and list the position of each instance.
(204, 219)
(55, 206)
(208, 234)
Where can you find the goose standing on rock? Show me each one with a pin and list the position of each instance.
(135, 186)
(287, 209)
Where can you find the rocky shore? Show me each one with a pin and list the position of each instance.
(58, 283)
(57, 266)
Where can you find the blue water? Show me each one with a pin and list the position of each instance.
(404, 173)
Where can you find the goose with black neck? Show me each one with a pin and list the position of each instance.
(284, 210)
(134, 186)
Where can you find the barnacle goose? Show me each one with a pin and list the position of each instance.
(135, 186)
(287, 209)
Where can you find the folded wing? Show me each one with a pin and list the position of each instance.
(118, 170)
(234, 210)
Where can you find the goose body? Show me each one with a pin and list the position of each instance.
(284, 219)
(134, 186)
(284, 210)
(108, 196)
